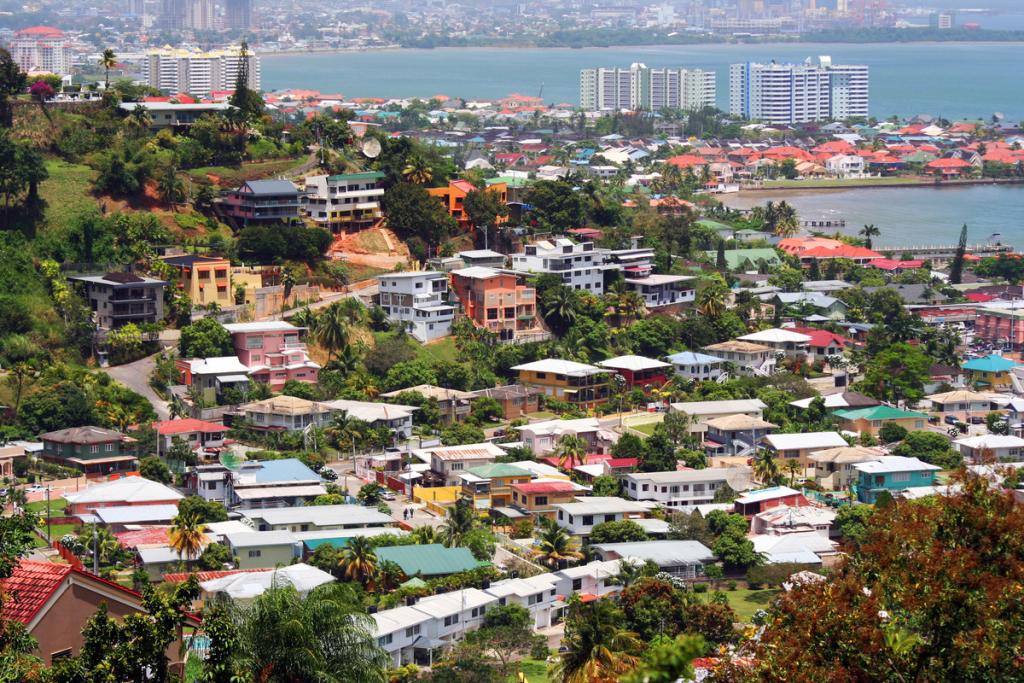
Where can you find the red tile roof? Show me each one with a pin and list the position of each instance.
(40, 31)
(187, 426)
(29, 587)
(949, 163)
(893, 264)
(538, 487)
(979, 297)
(623, 462)
(844, 251)
(686, 161)
(821, 339)
(149, 536)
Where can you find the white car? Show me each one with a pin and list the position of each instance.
(35, 488)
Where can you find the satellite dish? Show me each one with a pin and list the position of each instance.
(371, 148)
(738, 478)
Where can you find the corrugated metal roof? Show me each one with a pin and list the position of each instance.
(428, 560)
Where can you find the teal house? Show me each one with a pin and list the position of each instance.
(991, 372)
(892, 473)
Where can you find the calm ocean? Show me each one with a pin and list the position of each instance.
(953, 80)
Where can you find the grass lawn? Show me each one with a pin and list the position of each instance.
(542, 415)
(536, 670)
(57, 506)
(372, 241)
(58, 530)
(442, 349)
(358, 272)
(745, 601)
(236, 176)
(647, 429)
(842, 182)
(67, 192)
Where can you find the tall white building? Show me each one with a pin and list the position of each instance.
(196, 72)
(640, 87)
(798, 93)
(581, 265)
(418, 300)
(42, 49)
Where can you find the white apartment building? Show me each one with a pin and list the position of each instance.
(581, 265)
(660, 290)
(198, 73)
(447, 463)
(42, 49)
(579, 518)
(418, 300)
(640, 87)
(344, 202)
(684, 488)
(784, 94)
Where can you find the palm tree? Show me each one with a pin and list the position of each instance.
(629, 573)
(418, 171)
(560, 306)
(304, 317)
(786, 223)
(139, 119)
(765, 468)
(187, 535)
(598, 649)
(347, 431)
(555, 547)
(390, 575)
(712, 298)
(324, 636)
(424, 535)
(359, 562)
(869, 231)
(18, 377)
(460, 521)
(332, 329)
(793, 468)
(108, 60)
(170, 186)
(571, 450)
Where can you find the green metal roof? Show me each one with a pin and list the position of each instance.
(508, 180)
(879, 413)
(496, 470)
(735, 257)
(991, 363)
(366, 175)
(429, 560)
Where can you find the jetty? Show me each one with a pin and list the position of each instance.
(946, 252)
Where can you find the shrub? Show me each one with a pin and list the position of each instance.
(731, 585)
(700, 588)
(539, 649)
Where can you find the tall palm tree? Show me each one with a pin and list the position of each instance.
(390, 575)
(869, 231)
(458, 523)
(560, 307)
(598, 649)
(629, 573)
(108, 60)
(18, 377)
(304, 317)
(347, 432)
(555, 546)
(324, 636)
(765, 468)
(139, 119)
(418, 171)
(786, 224)
(359, 562)
(332, 329)
(424, 535)
(187, 535)
(712, 298)
(793, 468)
(571, 451)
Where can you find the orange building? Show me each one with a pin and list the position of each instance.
(498, 301)
(454, 195)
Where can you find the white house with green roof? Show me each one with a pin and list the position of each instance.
(747, 259)
(344, 202)
(870, 420)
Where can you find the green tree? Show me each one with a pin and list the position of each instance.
(205, 338)
(852, 522)
(597, 648)
(506, 632)
(331, 330)
(555, 547)
(736, 551)
(556, 205)
(668, 662)
(896, 373)
(869, 232)
(359, 562)
(186, 535)
(956, 266)
(214, 557)
(459, 521)
(412, 212)
(571, 451)
(457, 434)
(13, 82)
(202, 509)
(890, 432)
(484, 209)
(624, 531)
(931, 447)
(108, 60)
(605, 485)
(247, 102)
(370, 494)
(155, 469)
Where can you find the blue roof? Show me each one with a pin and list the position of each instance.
(289, 469)
(991, 363)
(270, 187)
(693, 358)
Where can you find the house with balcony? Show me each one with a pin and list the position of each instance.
(211, 376)
(282, 483)
(515, 399)
(447, 463)
(543, 437)
(94, 451)
(285, 413)
(339, 203)
(261, 202)
(700, 412)
(892, 473)
(500, 302)
(697, 366)
(205, 279)
(747, 358)
(832, 468)
(684, 488)
(962, 404)
(418, 300)
(117, 299)
(392, 416)
(638, 371)
(581, 265)
(783, 341)
(454, 405)
(661, 291)
(579, 384)
(453, 197)
(490, 486)
(580, 517)
(799, 446)
(536, 594)
(273, 352)
(735, 434)
(682, 559)
(991, 373)
(205, 438)
(871, 420)
(538, 498)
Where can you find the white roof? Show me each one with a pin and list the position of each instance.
(476, 272)
(398, 618)
(271, 491)
(594, 470)
(663, 553)
(322, 515)
(254, 539)
(789, 515)
(633, 363)
(158, 555)
(232, 526)
(522, 587)
(266, 326)
(558, 366)
(688, 476)
(770, 493)
(992, 441)
(603, 569)
(131, 514)
(454, 602)
(369, 531)
(371, 412)
(698, 408)
(801, 547)
(775, 336)
(540, 470)
(599, 505)
(558, 427)
(218, 365)
(124, 490)
(469, 451)
(804, 440)
(652, 525)
(837, 400)
(894, 463)
(658, 279)
(302, 577)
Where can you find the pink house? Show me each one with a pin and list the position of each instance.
(273, 352)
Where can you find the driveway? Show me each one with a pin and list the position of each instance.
(135, 376)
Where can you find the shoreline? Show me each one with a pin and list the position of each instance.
(811, 188)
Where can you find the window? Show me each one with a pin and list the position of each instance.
(901, 476)
(453, 619)
(255, 553)
(588, 520)
(108, 447)
(540, 500)
(609, 518)
(386, 640)
(534, 599)
(457, 466)
(577, 584)
(94, 449)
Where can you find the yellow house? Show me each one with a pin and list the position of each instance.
(580, 384)
(991, 373)
(206, 279)
(871, 420)
(490, 486)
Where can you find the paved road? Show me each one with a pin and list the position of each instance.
(135, 376)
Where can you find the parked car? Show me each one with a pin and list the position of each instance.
(977, 420)
(388, 494)
(950, 419)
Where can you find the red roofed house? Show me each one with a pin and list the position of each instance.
(200, 435)
(684, 161)
(537, 498)
(859, 255)
(54, 602)
(948, 168)
(453, 196)
(824, 343)
(894, 266)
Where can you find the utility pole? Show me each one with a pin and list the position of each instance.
(95, 551)
(49, 534)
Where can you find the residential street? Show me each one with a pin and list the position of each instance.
(135, 376)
